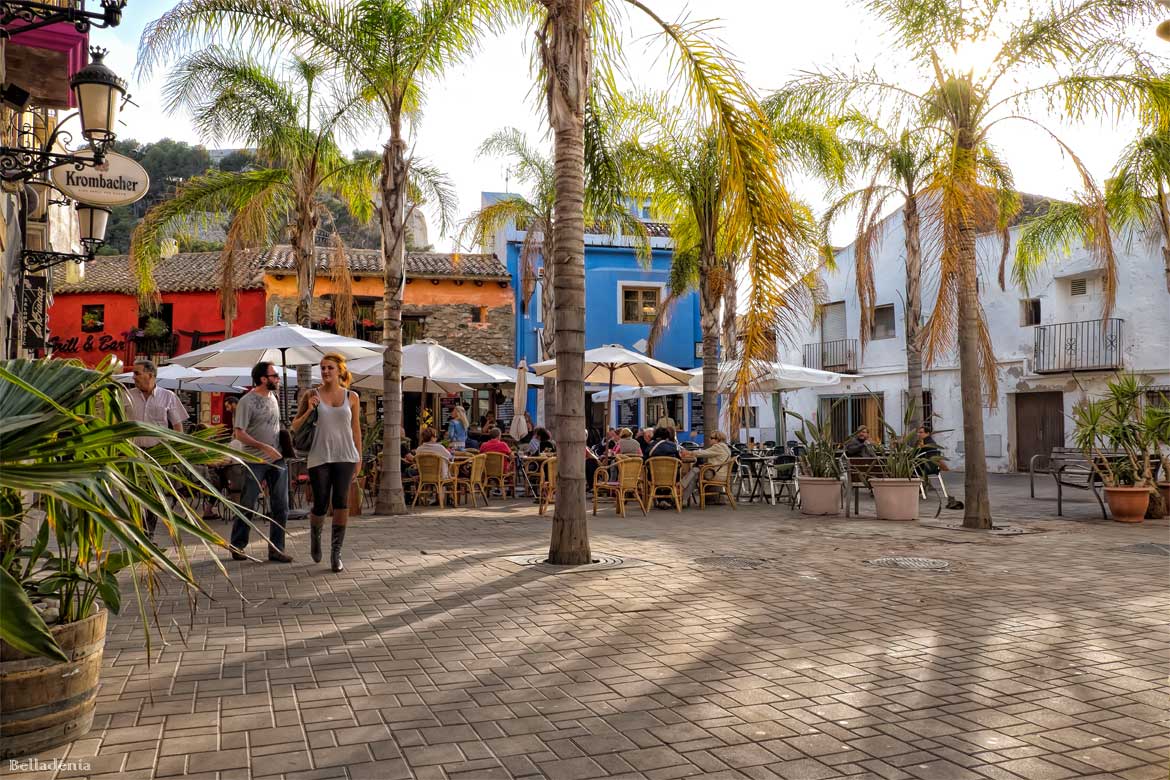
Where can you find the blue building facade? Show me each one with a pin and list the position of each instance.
(622, 295)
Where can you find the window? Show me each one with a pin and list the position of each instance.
(479, 314)
(1158, 395)
(367, 326)
(846, 413)
(639, 304)
(93, 317)
(883, 323)
(665, 406)
(925, 407)
(413, 329)
(163, 315)
(1030, 312)
(1078, 286)
(749, 416)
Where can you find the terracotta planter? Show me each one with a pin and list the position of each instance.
(820, 496)
(44, 703)
(1127, 504)
(896, 499)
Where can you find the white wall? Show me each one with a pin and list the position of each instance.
(1143, 303)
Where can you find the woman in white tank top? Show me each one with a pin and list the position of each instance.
(335, 455)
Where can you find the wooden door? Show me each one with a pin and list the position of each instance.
(1039, 425)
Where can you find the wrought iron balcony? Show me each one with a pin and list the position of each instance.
(839, 356)
(1091, 345)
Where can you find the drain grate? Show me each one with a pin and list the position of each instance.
(601, 562)
(1147, 548)
(910, 563)
(731, 562)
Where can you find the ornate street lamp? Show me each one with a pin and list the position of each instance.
(92, 221)
(37, 15)
(98, 92)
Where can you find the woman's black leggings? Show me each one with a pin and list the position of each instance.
(331, 478)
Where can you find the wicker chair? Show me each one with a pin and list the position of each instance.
(716, 479)
(662, 480)
(431, 479)
(498, 473)
(475, 482)
(548, 484)
(621, 479)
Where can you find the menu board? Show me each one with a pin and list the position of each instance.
(446, 404)
(628, 413)
(33, 312)
(504, 414)
(696, 413)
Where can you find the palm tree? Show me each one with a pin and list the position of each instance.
(566, 33)
(1135, 199)
(896, 165)
(387, 50)
(231, 95)
(1074, 54)
(673, 160)
(605, 207)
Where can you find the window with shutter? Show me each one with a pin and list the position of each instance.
(1079, 286)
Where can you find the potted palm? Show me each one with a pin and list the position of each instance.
(820, 470)
(902, 460)
(74, 493)
(1120, 440)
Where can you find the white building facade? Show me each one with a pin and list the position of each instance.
(1052, 346)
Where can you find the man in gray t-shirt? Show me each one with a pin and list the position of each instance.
(257, 429)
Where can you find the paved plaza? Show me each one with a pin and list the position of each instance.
(751, 644)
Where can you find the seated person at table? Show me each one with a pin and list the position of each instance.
(928, 448)
(542, 442)
(626, 445)
(644, 437)
(717, 454)
(409, 469)
(662, 446)
(860, 446)
(428, 446)
(591, 464)
(496, 444)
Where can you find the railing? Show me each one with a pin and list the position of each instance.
(839, 356)
(157, 347)
(1091, 345)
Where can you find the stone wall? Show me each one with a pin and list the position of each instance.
(450, 324)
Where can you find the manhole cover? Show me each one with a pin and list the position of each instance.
(601, 561)
(909, 563)
(1147, 548)
(731, 562)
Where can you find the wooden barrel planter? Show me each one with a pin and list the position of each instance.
(44, 703)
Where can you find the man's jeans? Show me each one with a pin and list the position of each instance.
(276, 476)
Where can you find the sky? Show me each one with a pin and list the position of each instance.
(772, 40)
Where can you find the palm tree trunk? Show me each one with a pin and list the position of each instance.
(565, 51)
(548, 334)
(304, 234)
(913, 310)
(977, 512)
(391, 499)
(1164, 217)
(709, 329)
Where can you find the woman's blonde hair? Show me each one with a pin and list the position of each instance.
(344, 378)
(625, 433)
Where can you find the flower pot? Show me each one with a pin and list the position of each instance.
(820, 496)
(896, 499)
(1127, 504)
(47, 703)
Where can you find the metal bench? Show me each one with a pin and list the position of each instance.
(858, 473)
(1069, 468)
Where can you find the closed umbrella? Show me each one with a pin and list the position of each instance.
(614, 364)
(519, 428)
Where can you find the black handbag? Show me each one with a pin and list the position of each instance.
(303, 437)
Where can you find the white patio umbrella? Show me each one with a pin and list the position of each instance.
(239, 377)
(176, 377)
(281, 344)
(614, 364)
(519, 428)
(768, 377)
(428, 360)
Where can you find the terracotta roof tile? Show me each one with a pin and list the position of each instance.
(199, 271)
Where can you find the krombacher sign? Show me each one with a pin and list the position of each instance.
(118, 181)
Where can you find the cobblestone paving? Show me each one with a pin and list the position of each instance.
(1039, 656)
